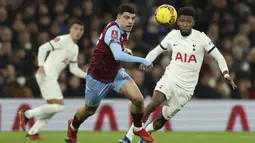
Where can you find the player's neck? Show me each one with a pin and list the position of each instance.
(75, 41)
(122, 30)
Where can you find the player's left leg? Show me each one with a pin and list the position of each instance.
(172, 106)
(51, 92)
(32, 134)
(95, 92)
(124, 84)
(162, 89)
(157, 99)
(156, 125)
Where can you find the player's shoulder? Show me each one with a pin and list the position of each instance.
(61, 38)
(113, 32)
(198, 34)
(113, 28)
(172, 33)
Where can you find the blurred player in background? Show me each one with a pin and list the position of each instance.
(63, 51)
(178, 83)
(106, 73)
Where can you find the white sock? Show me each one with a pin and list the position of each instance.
(130, 134)
(136, 129)
(149, 128)
(44, 110)
(41, 122)
(73, 128)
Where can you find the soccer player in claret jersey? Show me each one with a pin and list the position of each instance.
(106, 73)
(176, 86)
(63, 51)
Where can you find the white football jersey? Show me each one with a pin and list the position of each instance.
(63, 51)
(187, 56)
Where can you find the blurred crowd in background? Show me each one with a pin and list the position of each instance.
(26, 24)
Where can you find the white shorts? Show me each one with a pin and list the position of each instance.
(176, 97)
(49, 87)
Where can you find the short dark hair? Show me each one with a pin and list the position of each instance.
(75, 21)
(186, 11)
(127, 8)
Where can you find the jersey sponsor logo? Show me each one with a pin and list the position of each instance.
(114, 34)
(186, 58)
(175, 44)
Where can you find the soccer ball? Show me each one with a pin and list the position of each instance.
(166, 15)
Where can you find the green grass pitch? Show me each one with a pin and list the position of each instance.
(112, 137)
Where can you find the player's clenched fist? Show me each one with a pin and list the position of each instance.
(41, 71)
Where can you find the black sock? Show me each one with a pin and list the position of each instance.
(137, 118)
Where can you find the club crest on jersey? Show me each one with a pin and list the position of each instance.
(114, 34)
(186, 58)
(56, 39)
(66, 61)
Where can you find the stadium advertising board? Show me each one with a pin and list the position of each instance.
(113, 115)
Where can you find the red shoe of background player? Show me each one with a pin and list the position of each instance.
(144, 135)
(71, 135)
(33, 137)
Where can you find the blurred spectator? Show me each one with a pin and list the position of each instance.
(3, 17)
(74, 88)
(3, 87)
(203, 90)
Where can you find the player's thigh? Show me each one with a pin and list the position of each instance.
(176, 102)
(130, 90)
(158, 98)
(125, 85)
(50, 89)
(95, 91)
(165, 87)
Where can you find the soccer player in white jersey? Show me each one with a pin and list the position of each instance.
(177, 85)
(63, 51)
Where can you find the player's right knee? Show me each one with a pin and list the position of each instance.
(138, 100)
(90, 112)
(58, 108)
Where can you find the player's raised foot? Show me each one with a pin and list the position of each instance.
(144, 135)
(22, 119)
(71, 135)
(124, 140)
(33, 137)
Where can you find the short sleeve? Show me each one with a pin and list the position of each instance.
(112, 35)
(208, 44)
(166, 42)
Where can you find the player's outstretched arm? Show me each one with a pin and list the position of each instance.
(119, 55)
(215, 53)
(152, 55)
(74, 69)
